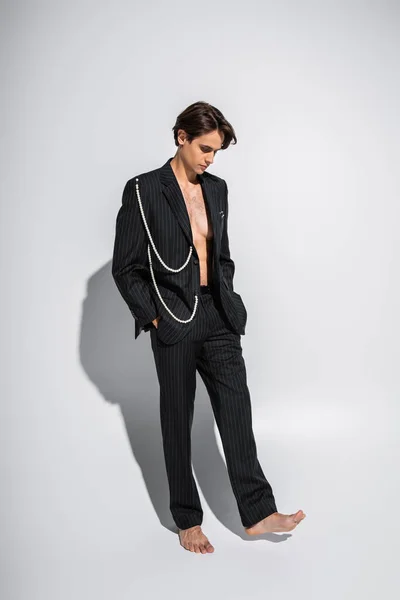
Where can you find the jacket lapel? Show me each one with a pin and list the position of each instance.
(173, 194)
(211, 198)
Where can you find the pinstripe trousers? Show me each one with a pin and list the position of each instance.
(213, 349)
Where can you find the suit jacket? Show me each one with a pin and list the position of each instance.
(168, 221)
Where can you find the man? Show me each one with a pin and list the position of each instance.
(173, 268)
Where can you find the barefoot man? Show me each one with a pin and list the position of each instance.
(172, 266)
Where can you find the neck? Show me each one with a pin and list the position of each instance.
(182, 173)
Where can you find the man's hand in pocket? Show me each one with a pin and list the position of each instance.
(155, 322)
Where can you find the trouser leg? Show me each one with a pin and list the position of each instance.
(222, 368)
(176, 371)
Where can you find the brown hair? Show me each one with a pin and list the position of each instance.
(200, 118)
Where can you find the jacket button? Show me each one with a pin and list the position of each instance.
(196, 262)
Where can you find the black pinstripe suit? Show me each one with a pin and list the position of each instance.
(210, 343)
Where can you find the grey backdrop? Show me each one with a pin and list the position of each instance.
(91, 91)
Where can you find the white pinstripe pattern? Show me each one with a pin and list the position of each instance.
(166, 214)
(214, 350)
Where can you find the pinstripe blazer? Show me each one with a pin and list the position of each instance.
(168, 221)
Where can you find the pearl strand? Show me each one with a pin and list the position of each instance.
(151, 239)
(163, 263)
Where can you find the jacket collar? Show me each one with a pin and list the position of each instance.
(167, 174)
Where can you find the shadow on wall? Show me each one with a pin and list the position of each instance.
(123, 371)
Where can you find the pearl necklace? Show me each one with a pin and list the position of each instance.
(163, 263)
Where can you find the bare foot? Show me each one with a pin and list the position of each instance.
(193, 539)
(276, 522)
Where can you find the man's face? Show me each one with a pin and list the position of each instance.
(199, 154)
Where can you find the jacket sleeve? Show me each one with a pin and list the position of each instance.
(129, 265)
(227, 264)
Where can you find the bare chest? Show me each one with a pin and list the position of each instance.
(198, 215)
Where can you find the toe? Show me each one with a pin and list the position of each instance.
(297, 516)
